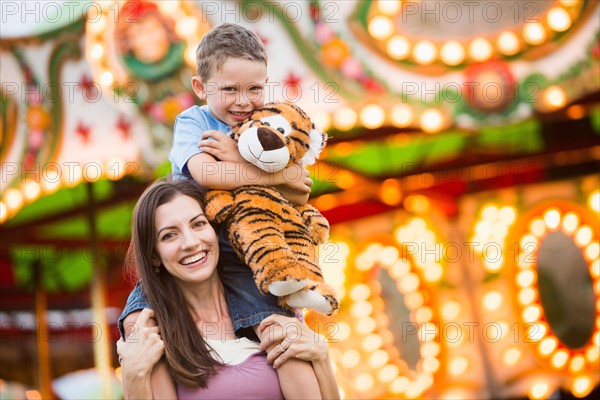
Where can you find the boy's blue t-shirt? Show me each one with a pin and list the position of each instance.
(187, 133)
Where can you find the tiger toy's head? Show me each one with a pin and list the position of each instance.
(277, 135)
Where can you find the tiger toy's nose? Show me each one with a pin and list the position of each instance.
(269, 139)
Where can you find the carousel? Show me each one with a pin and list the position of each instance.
(460, 180)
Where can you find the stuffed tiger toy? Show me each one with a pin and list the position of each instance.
(274, 237)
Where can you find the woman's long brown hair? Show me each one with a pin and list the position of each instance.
(187, 354)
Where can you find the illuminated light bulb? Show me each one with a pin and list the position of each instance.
(534, 33)
(596, 339)
(414, 390)
(511, 356)
(547, 346)
(537, 331)
(507, 215)
(560, 358)
(322, 120)
(399, 269)
(378, 358)
(581, 386)
(430, 364)
(424, 52)
(430, 349)
(106, 78)
(381, 27)
(31, 190)
(570, 222)
(532, 313)
(168, 7)
(490, 213)
(592, 354)
(389, 255)
(388, 373)
(569, 3)
(3, 212)
(414, 300)
(509, 43)
(13, 199)
(417, 203)
(409, 283)
(558, 19)
(432, 121)
(594, 201)
(372, 116)
(360, 292)
(451, 310)
(364, 382)
(554, 97)
(401, 115)
(361, 309)
(96, 51)
(577, 363)
(480, 49)
(583, 235)
(527, 296)
(592, 251)
(595, 269)
(372, 342)
(493, 265)
(423, 314)
(351, 358)
(499, 230)
(190, 55)
(525, 278)
(344, 119)
(399, 385)
(539, 390)
(492, 300)
(186, 26)
(389, 7)
(345, 179)
(364, 326)
(528, 243)
(452, 53)
(458, 366)
(576, 111)
(483, 229)
(96, 24)
(538, 227)
(552, 218)
(342, 332)
(398, 47)
(433, 273)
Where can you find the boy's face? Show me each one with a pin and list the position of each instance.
(234, 90)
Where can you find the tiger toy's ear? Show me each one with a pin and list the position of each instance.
(318, 140)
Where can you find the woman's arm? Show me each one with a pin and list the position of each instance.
(144, 375)
(296, 340)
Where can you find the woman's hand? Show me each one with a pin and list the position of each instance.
(296, 340)
(143, 348)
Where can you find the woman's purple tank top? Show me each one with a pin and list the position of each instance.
(253, 378)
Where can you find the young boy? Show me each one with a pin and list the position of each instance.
(231, 76)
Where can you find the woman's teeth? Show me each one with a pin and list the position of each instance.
(193, 259)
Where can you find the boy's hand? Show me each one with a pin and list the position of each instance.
(297, 178)
(220, 146)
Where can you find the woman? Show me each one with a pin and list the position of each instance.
(177, 254)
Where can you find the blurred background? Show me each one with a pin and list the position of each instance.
(460, 180)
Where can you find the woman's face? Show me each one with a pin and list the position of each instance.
(186, 243)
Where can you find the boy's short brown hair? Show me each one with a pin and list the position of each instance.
(227, 41)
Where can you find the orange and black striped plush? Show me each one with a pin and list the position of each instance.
(274, 237)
